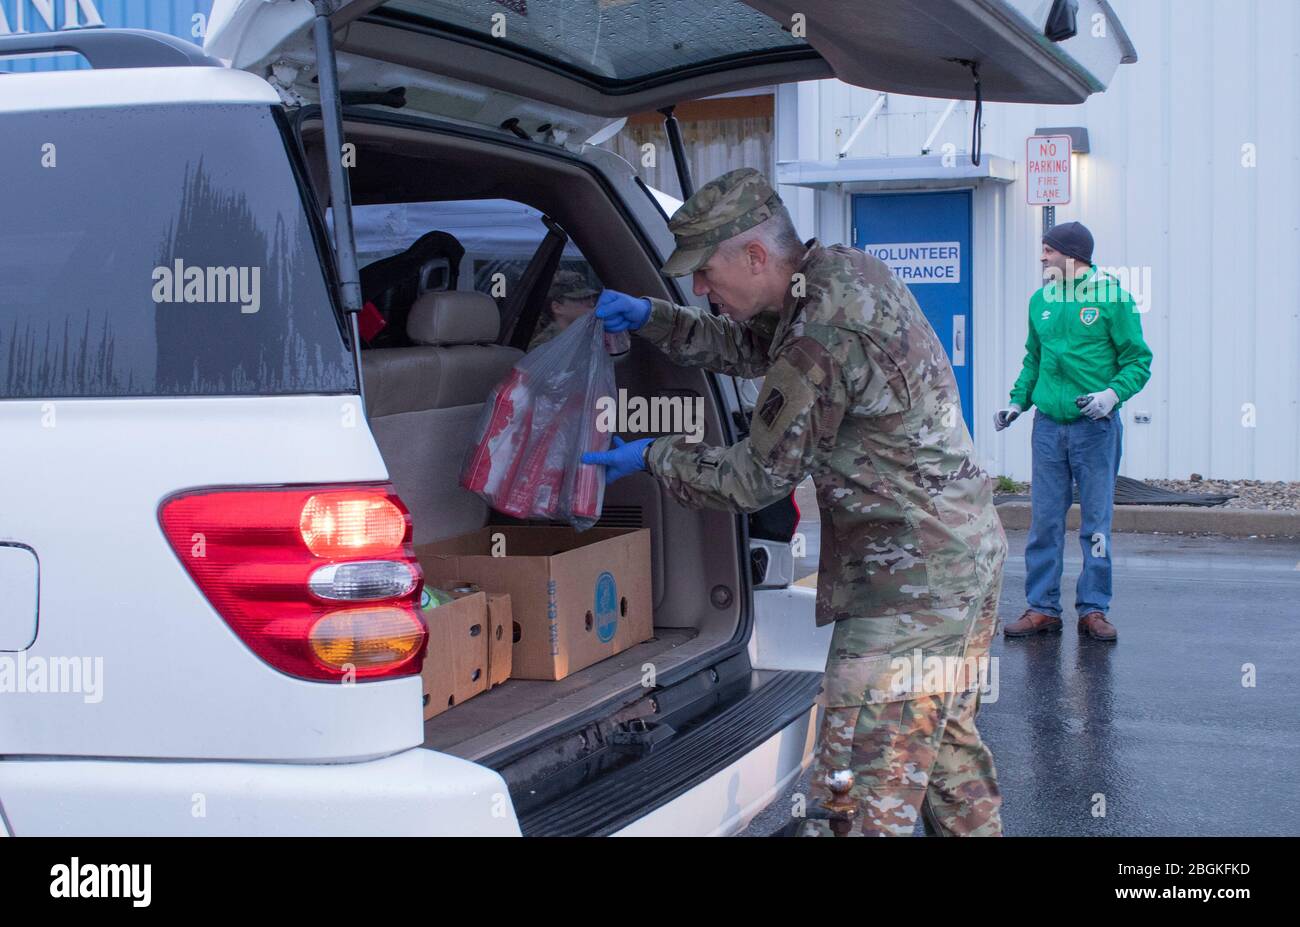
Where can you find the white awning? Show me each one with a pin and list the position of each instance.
(928, 168)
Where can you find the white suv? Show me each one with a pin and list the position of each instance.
(195, 437)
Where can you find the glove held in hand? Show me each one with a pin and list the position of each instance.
(620, 312)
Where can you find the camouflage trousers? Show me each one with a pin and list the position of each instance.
(904, 722)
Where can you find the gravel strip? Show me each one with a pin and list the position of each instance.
(1258, 495)
(1251, 494)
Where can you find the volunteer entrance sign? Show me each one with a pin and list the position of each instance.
(921, 261)
(1047, 165)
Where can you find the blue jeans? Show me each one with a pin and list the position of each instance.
(1087, 453)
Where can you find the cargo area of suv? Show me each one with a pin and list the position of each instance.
(424, 399)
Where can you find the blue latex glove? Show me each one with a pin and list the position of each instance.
(620, 312)
(624, 458)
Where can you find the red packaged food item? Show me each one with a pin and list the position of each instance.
(589, 482)
(526, 460)
(538, 486)
(495, 455)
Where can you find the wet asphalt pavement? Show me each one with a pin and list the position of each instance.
(1159, 723)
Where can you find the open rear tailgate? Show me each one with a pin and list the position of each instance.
(616, 57)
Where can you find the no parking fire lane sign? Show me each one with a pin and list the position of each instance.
(1047, 167)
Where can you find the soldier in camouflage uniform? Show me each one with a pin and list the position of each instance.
(570, 298)
(859, 393)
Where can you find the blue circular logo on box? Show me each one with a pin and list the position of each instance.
(606, 607)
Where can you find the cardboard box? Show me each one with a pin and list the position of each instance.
(456, 663)
(499, 628)
(577, 598)
(501, 638)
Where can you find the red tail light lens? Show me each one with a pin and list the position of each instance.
(258, 556)
(343, 524)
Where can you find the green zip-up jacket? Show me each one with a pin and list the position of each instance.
(1082, 339)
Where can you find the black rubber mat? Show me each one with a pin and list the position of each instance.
(617, 799)
(1129, 491)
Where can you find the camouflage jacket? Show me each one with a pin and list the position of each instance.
(858, 393)
(545, 332)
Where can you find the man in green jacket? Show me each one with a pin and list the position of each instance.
(1084, 357)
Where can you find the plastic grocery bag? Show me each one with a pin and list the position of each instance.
(525, 460)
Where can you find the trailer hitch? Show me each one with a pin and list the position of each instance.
(839, 810)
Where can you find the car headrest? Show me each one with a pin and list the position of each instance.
(453, 317)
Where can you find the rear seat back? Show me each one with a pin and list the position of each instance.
(424, 401)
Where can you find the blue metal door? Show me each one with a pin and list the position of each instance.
(925, 239)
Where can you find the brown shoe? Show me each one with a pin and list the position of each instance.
(1031, 622)
(1095, 625)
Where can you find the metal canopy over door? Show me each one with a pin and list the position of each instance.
(925, 239)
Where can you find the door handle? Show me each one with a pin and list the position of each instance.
(959, 341)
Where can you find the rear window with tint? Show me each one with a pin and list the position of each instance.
(609, 41)
(160, 251)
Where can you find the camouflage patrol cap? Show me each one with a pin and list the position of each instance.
(572, 284)
(721, 209)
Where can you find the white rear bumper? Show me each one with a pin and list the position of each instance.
(414, 793)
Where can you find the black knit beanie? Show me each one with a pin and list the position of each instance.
(1071, 239)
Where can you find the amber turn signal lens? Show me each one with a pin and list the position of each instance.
(367, 638)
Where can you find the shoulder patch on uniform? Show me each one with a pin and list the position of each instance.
(771, 407)
(813, 355)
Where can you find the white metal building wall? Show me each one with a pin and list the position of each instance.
(1164, 188)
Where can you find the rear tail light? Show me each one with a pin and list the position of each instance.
(321, 582)
(794, 503)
